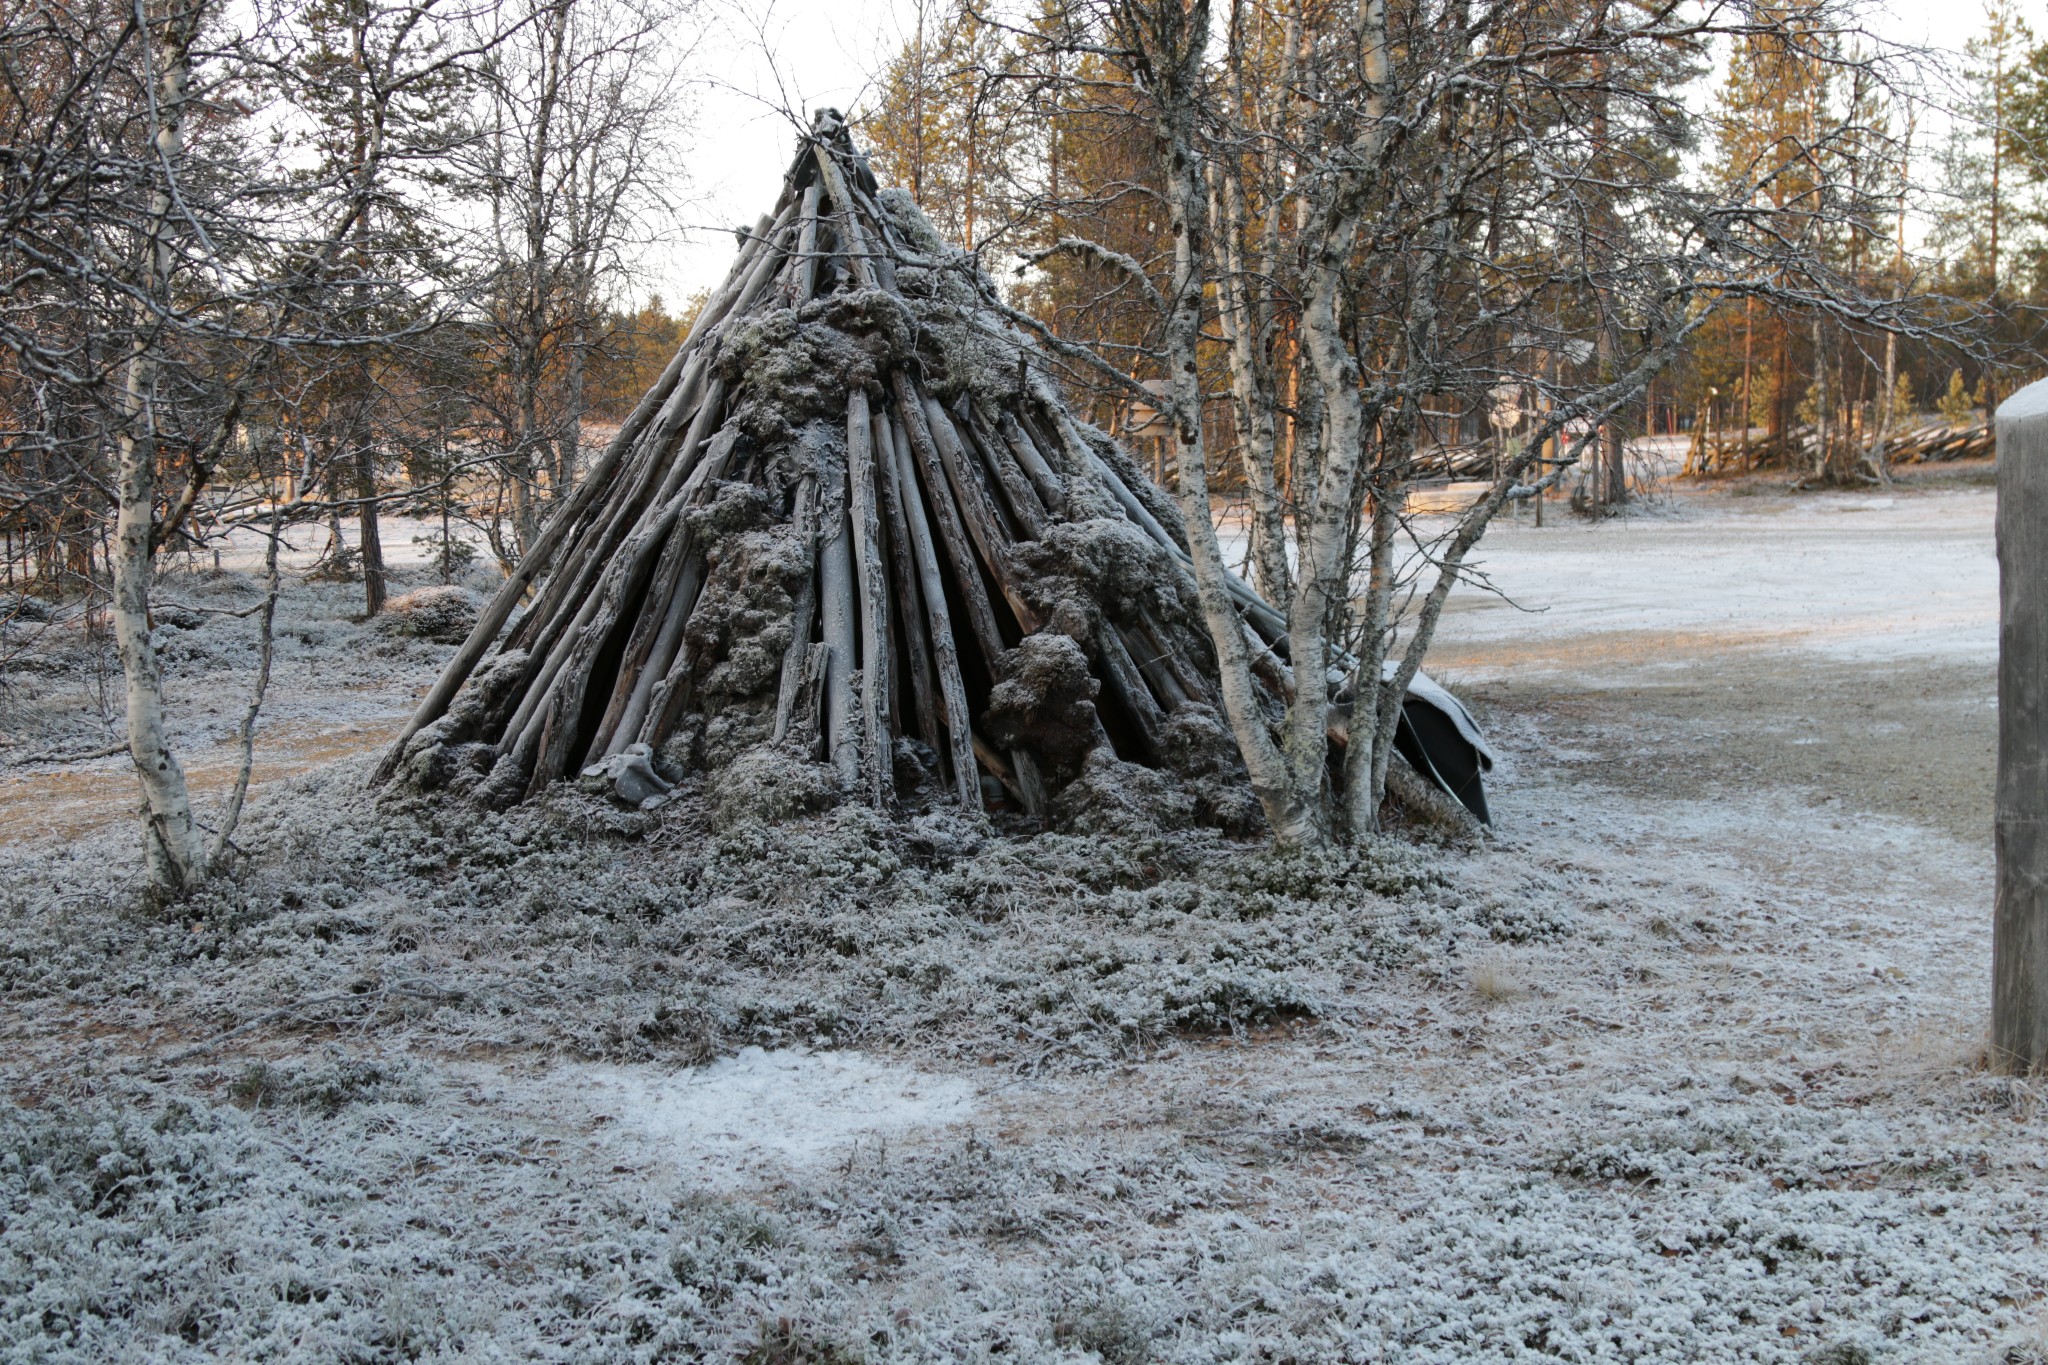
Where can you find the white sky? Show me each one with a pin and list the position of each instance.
(755, 57)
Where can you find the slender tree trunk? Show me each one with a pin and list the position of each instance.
(372, 541)
(1294, 821)
(1748, 351)
(176, 856)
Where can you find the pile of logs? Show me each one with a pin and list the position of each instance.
(856, 521)
(1792, 449)
(1938, 441)
(1455, 462)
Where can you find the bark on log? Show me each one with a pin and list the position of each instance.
(872, 580)
(1019, 500)
(959, 549)
(916, 652)
(959, 732)
(835, 599)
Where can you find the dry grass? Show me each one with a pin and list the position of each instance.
(1493, 983)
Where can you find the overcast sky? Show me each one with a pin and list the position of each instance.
(755, 58)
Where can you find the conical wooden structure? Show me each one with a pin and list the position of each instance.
(855, 523)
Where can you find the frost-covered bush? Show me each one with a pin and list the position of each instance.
(444, 615)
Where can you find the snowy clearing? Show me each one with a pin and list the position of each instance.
(1682, 1066)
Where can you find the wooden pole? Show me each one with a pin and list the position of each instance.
(835, 601)
(945, 650)
(865, 517)
(2019, 929)
(803, 610)
(915, 651)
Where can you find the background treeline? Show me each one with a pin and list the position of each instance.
(329, 259)
(1914, 180)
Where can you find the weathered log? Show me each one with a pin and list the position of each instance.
(959, 548)
(564, 520)
(802, 612)
(945, 657)
(872, 580)
(1019, 500)
(970, 495)
(836, 604)
(2019, 915)
(651, 647)
(1051, 492)
(805, 267)
(916, 652)
(1127, 684)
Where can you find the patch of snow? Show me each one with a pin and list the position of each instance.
(789, 1108)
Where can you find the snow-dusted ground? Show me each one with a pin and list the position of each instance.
(1684, 1066)
(1863, 577)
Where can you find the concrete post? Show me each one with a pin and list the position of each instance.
(2019, 930)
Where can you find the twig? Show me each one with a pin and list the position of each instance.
(33, 759)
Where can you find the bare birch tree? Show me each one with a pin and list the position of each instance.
(579, 112)
(161, 269)
(1399, 207)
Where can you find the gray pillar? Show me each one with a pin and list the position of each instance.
(2019, 929)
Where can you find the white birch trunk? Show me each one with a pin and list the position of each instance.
(177, 858)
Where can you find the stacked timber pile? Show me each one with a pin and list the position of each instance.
(1455, 462)
(1938, 441)
(852, 542)
(1930, 442)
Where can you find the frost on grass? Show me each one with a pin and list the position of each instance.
(376, 1230)
(434, 1218)
(567, 923)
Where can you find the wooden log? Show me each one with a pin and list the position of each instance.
(945, 653)
(569, 589)
(1019, 498)
(621, 584)
(1128, 685)
(555, 643)
(959, 547)
(836, 603)
(539, 677)
(872, 580)
(1193, 682)
(662, 614)
(1050, 490)
(806, 263)
(846, 218)
(999, 767)
(565, 518)
(915, 652)
(978, 468)
(1030, 782)
(802, 612)
(885, 268)
(597, 579)
(810, 699)
(970, 495)
(1152, 659)
(642, 703)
